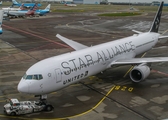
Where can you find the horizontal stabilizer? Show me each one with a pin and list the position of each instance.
(134, 61)
(160, 37)
(73, 44)
(137, 31)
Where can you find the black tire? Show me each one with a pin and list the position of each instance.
(13, 114)
(49, 108)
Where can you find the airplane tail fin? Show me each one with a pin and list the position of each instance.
(156, 22)
(48, 7)
(1, 18)
(22, 6)
(34, 8)
(14, 2)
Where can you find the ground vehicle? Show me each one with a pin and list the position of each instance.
(14, 107)
(104, 2)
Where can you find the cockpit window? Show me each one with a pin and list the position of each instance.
(24, 77)
(29, 76)
(40, 77)
(33, 77)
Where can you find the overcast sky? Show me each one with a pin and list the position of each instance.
(147, 1)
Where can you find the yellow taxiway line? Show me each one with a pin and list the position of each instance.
(64, 118)
(95, 105)
(165, 32)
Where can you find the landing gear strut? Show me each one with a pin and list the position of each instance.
(43, 101)
(43, 98)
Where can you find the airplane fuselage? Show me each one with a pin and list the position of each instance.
(41, 12)
(62, 70)
(28, 5)
(10, 9)
(20, 13)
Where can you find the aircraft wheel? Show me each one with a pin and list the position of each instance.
(13, 114)
(49, 108)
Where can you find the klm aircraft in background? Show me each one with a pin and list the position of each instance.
(38, 11)
(44, 11)
(27, 5)
(23, 13)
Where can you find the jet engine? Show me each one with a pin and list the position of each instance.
(139, 73)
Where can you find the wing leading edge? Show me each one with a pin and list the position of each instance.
(134, 61)
(73, 44)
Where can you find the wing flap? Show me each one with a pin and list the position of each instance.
(73, 44)
(134, 61)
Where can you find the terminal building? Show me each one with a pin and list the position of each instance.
(119, 2)
(74, 1)
(87, 1)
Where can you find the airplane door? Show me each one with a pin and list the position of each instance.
(58, 75)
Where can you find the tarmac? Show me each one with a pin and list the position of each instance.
(107, 96)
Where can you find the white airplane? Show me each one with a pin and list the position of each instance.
(1, 18)
(13, 9)
(27, 5)
(22, 13)
(70, 5)
(57, 72)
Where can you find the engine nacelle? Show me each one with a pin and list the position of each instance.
(139, 73)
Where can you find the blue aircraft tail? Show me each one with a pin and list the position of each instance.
(15, 2)
(48, 7)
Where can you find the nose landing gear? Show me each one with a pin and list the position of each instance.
(43, 101)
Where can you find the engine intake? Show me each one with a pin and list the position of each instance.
(139, 73)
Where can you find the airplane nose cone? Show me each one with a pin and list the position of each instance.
(23, 87)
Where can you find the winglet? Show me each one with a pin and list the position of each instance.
(156, 22)
(73, 44)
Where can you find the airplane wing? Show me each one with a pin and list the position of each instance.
(134, 61)
(73, 44)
